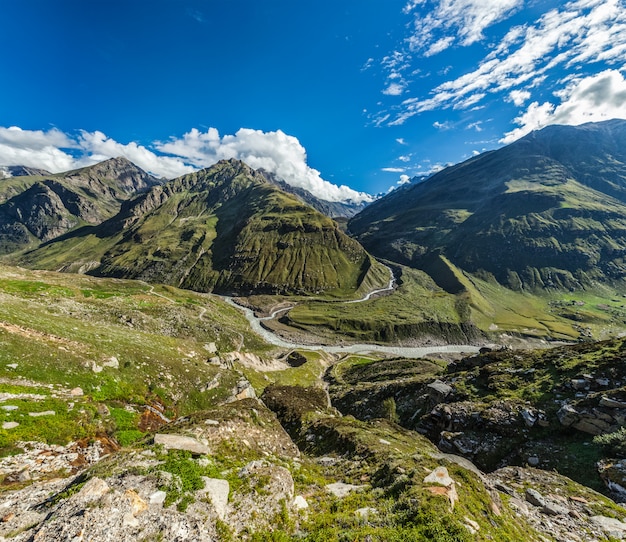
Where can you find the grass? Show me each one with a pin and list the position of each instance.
(60, 331)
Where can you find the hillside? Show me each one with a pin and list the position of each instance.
(38, 206)
(225, 228)
(544, 212)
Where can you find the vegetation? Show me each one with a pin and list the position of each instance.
(225, 228)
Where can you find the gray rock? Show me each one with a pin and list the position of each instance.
(10, 425)
(567, 415)
(181, 442)
(552, 509)
(340, 489)
(611, 403)
(613, 527)
(533, 461)
(535, 498)
(217, 490)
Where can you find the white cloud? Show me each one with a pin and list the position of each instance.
(458, 20)
(405, 158)
(442, 125)
(519, 97)
(274, 151)
(573, 37)
(394, 89)
(401, 141)
(393, 169)
(404, 179)
(590, 99)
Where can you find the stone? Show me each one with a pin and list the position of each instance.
(77, 392)
(472, 526)
(579, 383)
(567, 415)
(10, 425)
(44, 413)
(217, 491)
(93, 490)
(535, 498)
(9, 408)
(137, 504)
(613, 527)
(533, 461)
(181, 442)
(439, 476)
(439, 390)
(113, 363)
(552, 509)
(611, 403)
(157, 498)
(529, 418)
(299, 503)
(340, 489)
(12, 365)
(365, 513)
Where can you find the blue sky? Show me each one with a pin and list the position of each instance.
(338, 96)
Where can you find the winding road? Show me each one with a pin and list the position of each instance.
(404, 351)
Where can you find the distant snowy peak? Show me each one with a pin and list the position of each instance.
(7, 172)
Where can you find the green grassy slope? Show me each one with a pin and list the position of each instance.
(545, 212)
(124, 343)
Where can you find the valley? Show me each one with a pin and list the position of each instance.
(213, 358)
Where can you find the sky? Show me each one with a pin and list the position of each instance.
(347, 98)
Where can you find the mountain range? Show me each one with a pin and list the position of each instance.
(225, 228)
(546, 211)
(38, 206)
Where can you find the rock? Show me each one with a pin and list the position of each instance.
(10, 425)
(613, 527)
(533, 461)
(157, 498)
(340, 489)
(611, 403)
(439, 476)
(12, 365)
(299, 503)
(552, 509)
(439, 390)
(113, 363)
(181, 442)
(535, 498)
(217, 490)
(93, 490)
(579, 383)
(44, 413)
(76, 392)
(472, 526)
(447, 486)
(365, 513)
(137, 504)
(326, 461)
(9, 408)
(567, 415)
(529, 417)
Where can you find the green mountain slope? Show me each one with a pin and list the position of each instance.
(546, 211)
(39, 207)
(225, 228)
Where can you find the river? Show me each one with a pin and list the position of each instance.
(400, 351)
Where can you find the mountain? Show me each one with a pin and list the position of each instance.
(225, 228)
(38, 206)
(546, 211)
(20, 171)
(333, 209)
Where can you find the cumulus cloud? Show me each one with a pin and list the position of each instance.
(394, 89)
(461, 21)
(276, 152)
(590, 99)
(579, 33)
